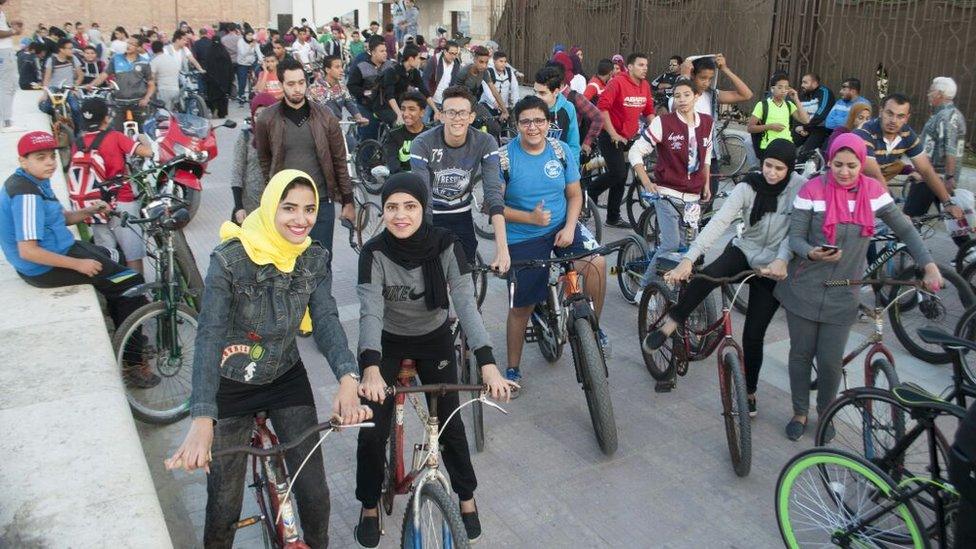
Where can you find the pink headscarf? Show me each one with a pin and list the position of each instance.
(620, 62)
(837, 196)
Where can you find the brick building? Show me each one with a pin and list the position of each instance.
(132, 14)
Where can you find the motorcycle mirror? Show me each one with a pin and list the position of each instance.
(229, 124)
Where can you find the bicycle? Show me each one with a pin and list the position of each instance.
(568, 315)
(62, 124)
(829, 495)
(271, 482)
(731, 149)
(166, 327)
(190, 101)
(427, 485)
(698, 340)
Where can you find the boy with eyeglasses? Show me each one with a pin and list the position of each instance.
(450, 159)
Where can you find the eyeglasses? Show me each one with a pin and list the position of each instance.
(454, 115)
(527, 123)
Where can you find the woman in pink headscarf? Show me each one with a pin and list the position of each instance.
(830, 229)
(619, 63)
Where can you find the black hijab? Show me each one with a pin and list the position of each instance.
(424, 247)
(767, 196)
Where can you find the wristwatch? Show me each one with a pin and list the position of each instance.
(356, 377)
(948, 202)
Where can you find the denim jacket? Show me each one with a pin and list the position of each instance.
(250, 316)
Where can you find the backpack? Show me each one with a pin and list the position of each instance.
(758, 137)
(85, 172)
(505, 163)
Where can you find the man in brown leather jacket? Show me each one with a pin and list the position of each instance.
(303, 135)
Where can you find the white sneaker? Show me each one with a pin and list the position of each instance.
(638, 296)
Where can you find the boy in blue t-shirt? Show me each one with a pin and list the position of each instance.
(543, 200)
(35, 239)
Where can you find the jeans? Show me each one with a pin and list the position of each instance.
(225, 483)
(671, 232)
(462, 225)
(826, 342)
(8, 84)
(243, 71)
(762, 307)
(371, 130)
(614, 179)
(371, 450)
(324, 226)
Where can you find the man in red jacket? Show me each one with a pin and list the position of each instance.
(626, 99)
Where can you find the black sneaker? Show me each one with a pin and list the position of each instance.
(367, 532)
(619, 224)
(472, 525)
(753, 408)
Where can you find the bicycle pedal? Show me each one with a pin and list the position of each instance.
(249, 521)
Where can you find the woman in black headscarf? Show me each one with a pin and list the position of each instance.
(220, 74)
(763, 201)
(406, 274)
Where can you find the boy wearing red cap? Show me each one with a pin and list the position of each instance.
(35, 239)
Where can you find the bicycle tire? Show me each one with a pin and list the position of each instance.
(596, 387)
(549, 346)
(470, 374)
(435, 495)
(969, 275)
(483, 226)
(960, 262)
(647, 228)
(369, 223)
(824, 462)
(178, 407)
(635, 206)
(735, 411)
(939, 313)
(882, 370)
(868, 422)
(733, 155)
(189, 272)
(701, 318)
(630, 259)
(394, 452)
(368, 155)
(590, 218)
(967, 330)
(661, 363)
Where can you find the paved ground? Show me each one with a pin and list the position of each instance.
(543, 480)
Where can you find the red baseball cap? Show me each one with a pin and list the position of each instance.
(35, 141)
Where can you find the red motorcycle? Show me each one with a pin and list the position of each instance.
(178, 134)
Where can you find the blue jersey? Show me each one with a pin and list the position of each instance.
(533, 179)
(30, 211)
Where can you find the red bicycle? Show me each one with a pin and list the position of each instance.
(272, 483)
(431, 519)
(696, 341)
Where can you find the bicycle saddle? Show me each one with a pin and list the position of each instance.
(938, 337)
(915, 397)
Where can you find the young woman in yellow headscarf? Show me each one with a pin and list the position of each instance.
(262, 277)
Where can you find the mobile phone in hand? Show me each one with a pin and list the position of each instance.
(829, 248)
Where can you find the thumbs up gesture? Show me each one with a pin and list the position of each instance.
(540, 215)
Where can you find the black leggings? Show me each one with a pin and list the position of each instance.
(615, 179)
(454, 443)
(762, 307)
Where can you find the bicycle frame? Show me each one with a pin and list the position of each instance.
(286, 527)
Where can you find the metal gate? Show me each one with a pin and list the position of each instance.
(911, 41)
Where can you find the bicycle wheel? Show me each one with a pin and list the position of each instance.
(187, 271)
(369, 223)
(593, 371)
(483, 226)
(882, 374)
(631, 262)
(547, 334)
(917, 310)
(590, 218)
(963, 259)
(735, 410)
(732, 154)
(440, 521)
(653, 307)
(702, 317)
(647, 228)
(196, 106)
(872, 424)
(167, 338)
(368, 155)
(635, 205)
(823, 493)
(471, 375)
(967, 330)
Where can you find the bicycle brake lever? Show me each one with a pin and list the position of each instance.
(484, 400)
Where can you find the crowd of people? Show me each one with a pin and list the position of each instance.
(447, 126)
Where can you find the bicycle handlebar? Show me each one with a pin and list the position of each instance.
(441, 389)
(332, 424)
(872, 282)
(728, 279)
(602, 250)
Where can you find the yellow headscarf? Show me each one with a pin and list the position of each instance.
(262, 241)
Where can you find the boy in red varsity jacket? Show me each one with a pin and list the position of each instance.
(683, 140)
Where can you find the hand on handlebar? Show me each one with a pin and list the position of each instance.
(346, 404)
(97, 206)
(955, 211)
(680, 273)
(498, 387)
(502, 262)
(565, 236)
(775, 270)
(933, 278)
(195, 450)
(372, 387)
